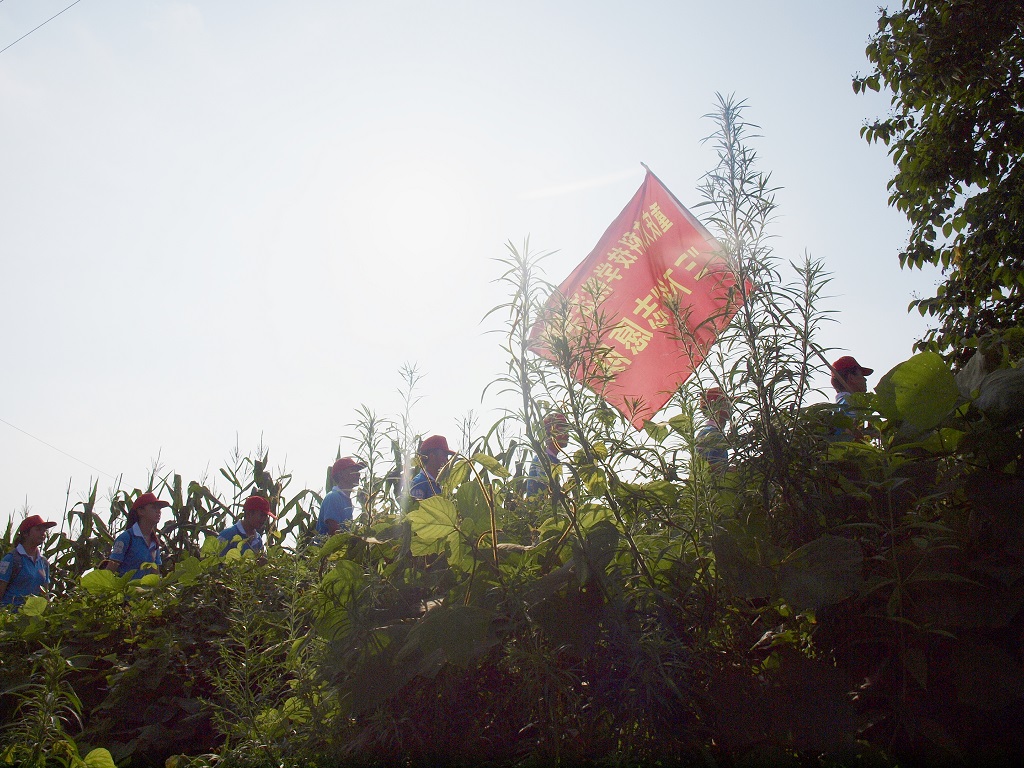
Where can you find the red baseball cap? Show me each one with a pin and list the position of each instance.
(345, 464)
(713, 395)
(146, 499)
(257, 503)
(32, 521)
(847, 364)
(435, 443)
(555, 419)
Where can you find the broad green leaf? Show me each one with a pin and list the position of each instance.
(745, 578)
(822, 572)
(491, 464)
(188, 570)
(211, 546)
(433, 519)
(102, 581)
(456, 475)
(663, 491)
(472, 505)
(460, 554)
(99, 758)
(657, 432)
(343, 580)
(419, 547)
(594, 479)
(681, 425)
(341, 586)
(333, 544)
(920, 391)
(589, 516)
(602, 541)
(453, 633)
(1002, 395)
(35, 605)
(944, 440)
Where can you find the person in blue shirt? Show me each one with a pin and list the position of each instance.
(138, 548)
(336, 508)
(849, 377)
(24, 571)
(249, 530)
(711, 444)
(433, 455)
(556, 431)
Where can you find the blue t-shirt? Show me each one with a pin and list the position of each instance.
(843, 401)
(132, 550)
(251, 542)
(536, 478)
(712, 446)
(337, 506)
(424, 486)
(31, 579)
(846, 408)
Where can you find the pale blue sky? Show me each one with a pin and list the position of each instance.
(223, 218)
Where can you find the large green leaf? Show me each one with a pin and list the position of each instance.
(456, 475)
(99, 758)
(473, 506)
(657, 432)
(745, 578)
(449, 633)
(340, 586)
(343, 580)
(433, 519)
(920, 391)
(34, 605)
(822, 572)
(1002, 395)
(188, 571)
(101, 581)
(681, 425)
(601, 541)
(491, 464)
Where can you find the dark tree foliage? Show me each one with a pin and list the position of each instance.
(956, 135)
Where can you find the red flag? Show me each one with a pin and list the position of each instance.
(635, 319)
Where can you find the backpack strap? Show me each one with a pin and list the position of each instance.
(15, 565)
(131, 538)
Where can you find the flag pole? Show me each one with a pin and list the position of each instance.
(814, 347)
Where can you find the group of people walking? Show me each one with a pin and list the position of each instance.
(337, 508)
(137, 550)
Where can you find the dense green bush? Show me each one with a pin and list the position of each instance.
(824, 601)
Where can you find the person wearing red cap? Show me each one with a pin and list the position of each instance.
(556, 432)
(711, 444)
(849, 376)
(249, 530)
(433, 455)
(24, 571)
(138, 548)
(336, 509)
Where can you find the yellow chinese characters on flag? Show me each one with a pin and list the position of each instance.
(635, 319)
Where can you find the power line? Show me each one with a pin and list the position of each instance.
(22, 38)
(54, 447)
